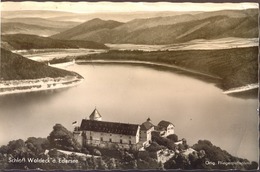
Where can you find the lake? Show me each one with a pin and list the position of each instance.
(129, 93)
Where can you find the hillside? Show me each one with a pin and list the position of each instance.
(26, 42)
(144, 23)
(210, 28)
(236, 67)
(16, 67)
(41, 22)
(35, 26)
(229, 13)
(14, 28)
(34, 13)
(89, 26)
(171, 29)
(82, 17)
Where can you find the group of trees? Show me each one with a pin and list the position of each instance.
(31, 148)
(63, 139)
(215, 154)
(194, 160)
(167, 142)
(205, 152)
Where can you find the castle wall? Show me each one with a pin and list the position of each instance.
(78, 137)
(110, 140)
(146, 136)
(110, 137)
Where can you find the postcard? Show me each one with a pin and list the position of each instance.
(129, 85)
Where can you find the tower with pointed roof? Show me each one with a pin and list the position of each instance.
(95, 116)
(146, 132)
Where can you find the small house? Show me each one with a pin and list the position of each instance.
(166, 128)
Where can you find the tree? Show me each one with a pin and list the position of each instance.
(101, 164)
(164, 141)
(61, 138)
(4, 149)
(144, 155)
(208, 151)
(253, 166)
(179, 161)
(112, 163)
(85, 150)
(16, 144)
(154, 146)
(173, 137)
(96, 152)
(37, 145)
(161, 166)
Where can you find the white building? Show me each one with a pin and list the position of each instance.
(165, 128)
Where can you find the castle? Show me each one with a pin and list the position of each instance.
(114, 135)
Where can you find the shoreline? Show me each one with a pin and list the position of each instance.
(242, 88)
(229, 91)
(62, 65)
(147, 63)
(41, 84)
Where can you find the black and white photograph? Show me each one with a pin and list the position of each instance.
(129, 85)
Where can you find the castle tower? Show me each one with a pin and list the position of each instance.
(95, 115)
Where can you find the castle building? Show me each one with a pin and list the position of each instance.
(95, 132)
(114, 135)
(146, 132)
(165, 128)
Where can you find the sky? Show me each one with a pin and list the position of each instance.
(92, 7)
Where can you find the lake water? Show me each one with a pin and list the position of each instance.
(125, 93)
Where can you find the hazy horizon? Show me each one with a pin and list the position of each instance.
(104, 7)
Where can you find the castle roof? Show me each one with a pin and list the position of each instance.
(146, 125)
(164, 124)
(95, 114)
(109, 127)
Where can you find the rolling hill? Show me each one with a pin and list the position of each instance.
(143, 23)
(41, 22)
(81, 17)
(36, 26)
(89, 26)
(14, 28)
(34, 13)
(16, 67)
(236, 67)
(171, 29)
(26, 42)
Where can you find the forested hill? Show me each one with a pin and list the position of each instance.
(17, 67)
(168, 30)
(26, 42)
(236, 67)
